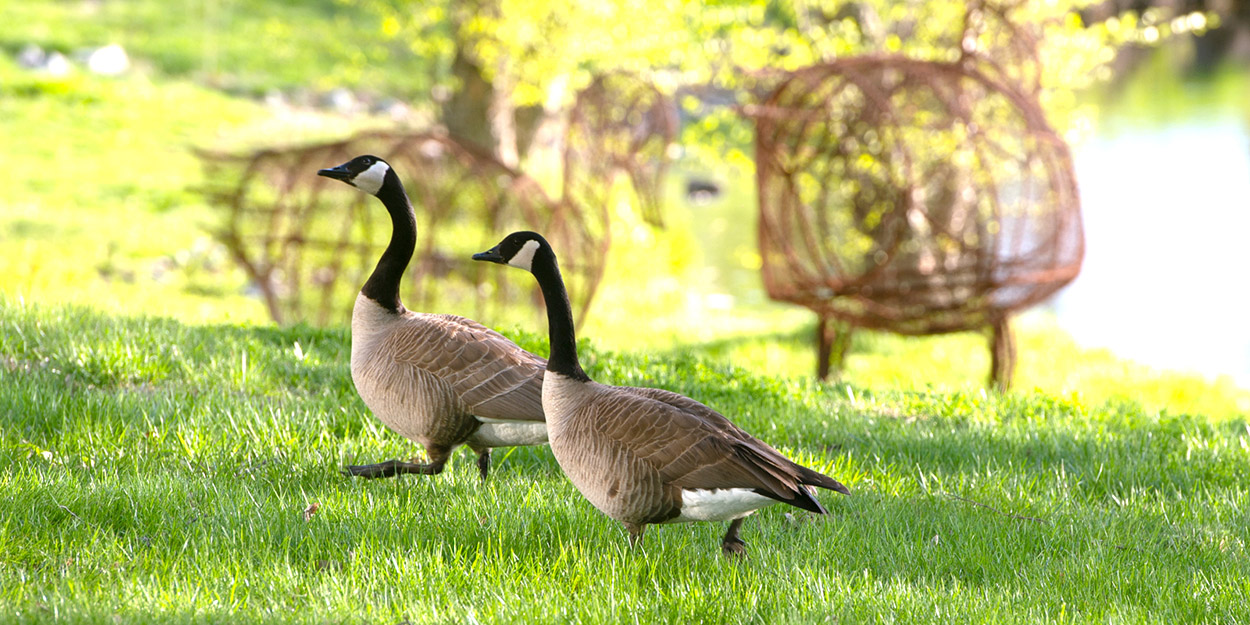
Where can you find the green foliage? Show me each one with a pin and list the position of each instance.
(545, 50)
(531, 46)
(536, 45)
(158, 472)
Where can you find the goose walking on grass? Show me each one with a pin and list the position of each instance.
(645, 456)
(439, 380)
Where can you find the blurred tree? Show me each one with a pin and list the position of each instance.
(503, 67)
(500, 64)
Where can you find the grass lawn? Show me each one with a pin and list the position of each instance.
(101, 205)
(157, 471)
(243, 46)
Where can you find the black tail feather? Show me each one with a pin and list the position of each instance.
(802, 498)
(815, 478)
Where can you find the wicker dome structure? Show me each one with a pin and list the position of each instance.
(308, 242)
(620, 123)
(913, 196)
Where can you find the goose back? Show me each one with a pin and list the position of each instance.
(423, 374)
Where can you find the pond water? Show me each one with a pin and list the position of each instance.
(1165, 193)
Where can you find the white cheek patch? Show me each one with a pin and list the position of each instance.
(370, 180)
(524, 258)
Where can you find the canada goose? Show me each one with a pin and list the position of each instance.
(647, 455)
(439, 380)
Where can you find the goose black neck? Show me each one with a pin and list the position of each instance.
(563, 358)
(383, 284)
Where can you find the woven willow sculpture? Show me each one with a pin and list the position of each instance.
(619, 124)
(308, 243)
(912, 196)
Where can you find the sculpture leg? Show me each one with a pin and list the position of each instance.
(833, 341)
(1002, 353)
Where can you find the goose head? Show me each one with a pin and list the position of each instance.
(517, 249)
(367, 173)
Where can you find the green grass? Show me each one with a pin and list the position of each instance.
(243, 46)
(1048, 361)
(102, 206)
(156, 471)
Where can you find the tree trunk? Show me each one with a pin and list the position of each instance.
(466, 114)
(503, 117)
(480, 110)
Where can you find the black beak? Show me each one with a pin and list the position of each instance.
(491, 255)
(337, 173)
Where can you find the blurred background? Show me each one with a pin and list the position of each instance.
(159, 158)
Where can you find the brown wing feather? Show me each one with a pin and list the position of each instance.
(494, 377)
(693, 446)
(754, 451)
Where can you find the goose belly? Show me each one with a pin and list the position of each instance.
(498, 433)
(615, 482)
(719, 504)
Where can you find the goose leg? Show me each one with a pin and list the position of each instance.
(635, 534)
(732, 545)
(483, 462)
(391, 468)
